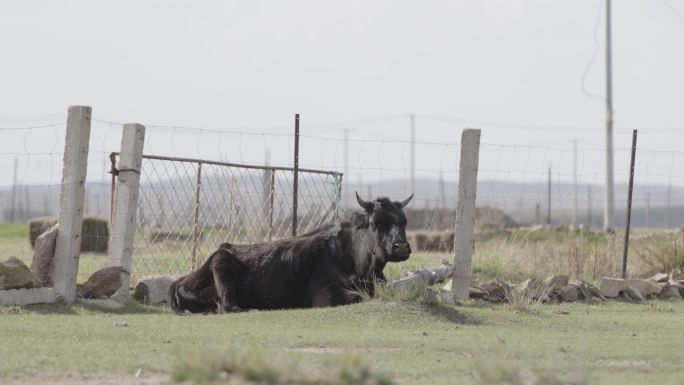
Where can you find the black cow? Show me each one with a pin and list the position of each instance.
(325, 267)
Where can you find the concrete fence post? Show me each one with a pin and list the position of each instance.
(68, 244)
(126, 201)
(465, 213)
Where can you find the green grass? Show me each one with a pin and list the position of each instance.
(409, 337)
(473, 343)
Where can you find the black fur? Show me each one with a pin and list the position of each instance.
(325, 267)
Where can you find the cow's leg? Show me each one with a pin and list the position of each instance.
(226, 269)
(340, 295)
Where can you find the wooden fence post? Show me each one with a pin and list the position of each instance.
(126, 201)
(465, 213)
(68, 246)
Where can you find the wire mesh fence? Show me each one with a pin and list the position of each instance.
(187, 207)
(181, 221)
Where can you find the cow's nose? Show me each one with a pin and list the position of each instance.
(401, 248)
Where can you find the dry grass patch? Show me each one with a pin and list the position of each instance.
(251, 367)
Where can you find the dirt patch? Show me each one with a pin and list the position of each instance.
(144, 378)
(331, 350)
(630, 363)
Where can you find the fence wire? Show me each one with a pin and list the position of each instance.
(188, 207)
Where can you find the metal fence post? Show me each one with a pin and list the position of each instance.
(68, 246)
(629, 205)
(124, 222)
(269, 191)
(465, 213)
(195, 225)
(295, 182)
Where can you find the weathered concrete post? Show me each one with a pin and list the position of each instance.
(126, 202)
(68, 243)
(465, 213)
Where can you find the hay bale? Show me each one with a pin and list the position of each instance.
(420, 241)
(448, 241)
(94, 232)
(435, 242)
(95, 235)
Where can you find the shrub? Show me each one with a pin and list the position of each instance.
(94, 232)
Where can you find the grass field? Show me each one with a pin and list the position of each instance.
(412, 342)
(473, 343)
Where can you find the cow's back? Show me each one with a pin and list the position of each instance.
(278, 274)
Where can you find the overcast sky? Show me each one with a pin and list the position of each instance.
(516, 69)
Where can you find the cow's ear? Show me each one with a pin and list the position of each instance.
(368, 206)
(405, 202)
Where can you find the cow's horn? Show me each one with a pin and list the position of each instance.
(368, 206)
(406, 201)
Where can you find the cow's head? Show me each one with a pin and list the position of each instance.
(387, 224)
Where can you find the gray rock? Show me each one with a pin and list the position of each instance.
(528, 287)
(645, 287)
(583, 289)
(660, 277)
(14, 274)
(633, 294)
(446, 297)
(497, 291)
(556, 282)
(596, 293)
(447, 285)
(611, 287)
(568, 293)
(676, 275)
(103, 283)
(476, 292)
(670, 292)
(679, 287)
(43, 254)
(154, 289)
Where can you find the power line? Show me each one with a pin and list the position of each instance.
(594, 55)
(32, 127)
(502, 124)
(673, 10)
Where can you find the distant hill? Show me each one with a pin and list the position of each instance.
(518, 200)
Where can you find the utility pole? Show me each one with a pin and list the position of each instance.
(413, 154)
(575, 211)
(548, 199)
(609, 204)
(669, 204)
(589, 208)
(442, 192)
(13, 208)
(648, 210)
